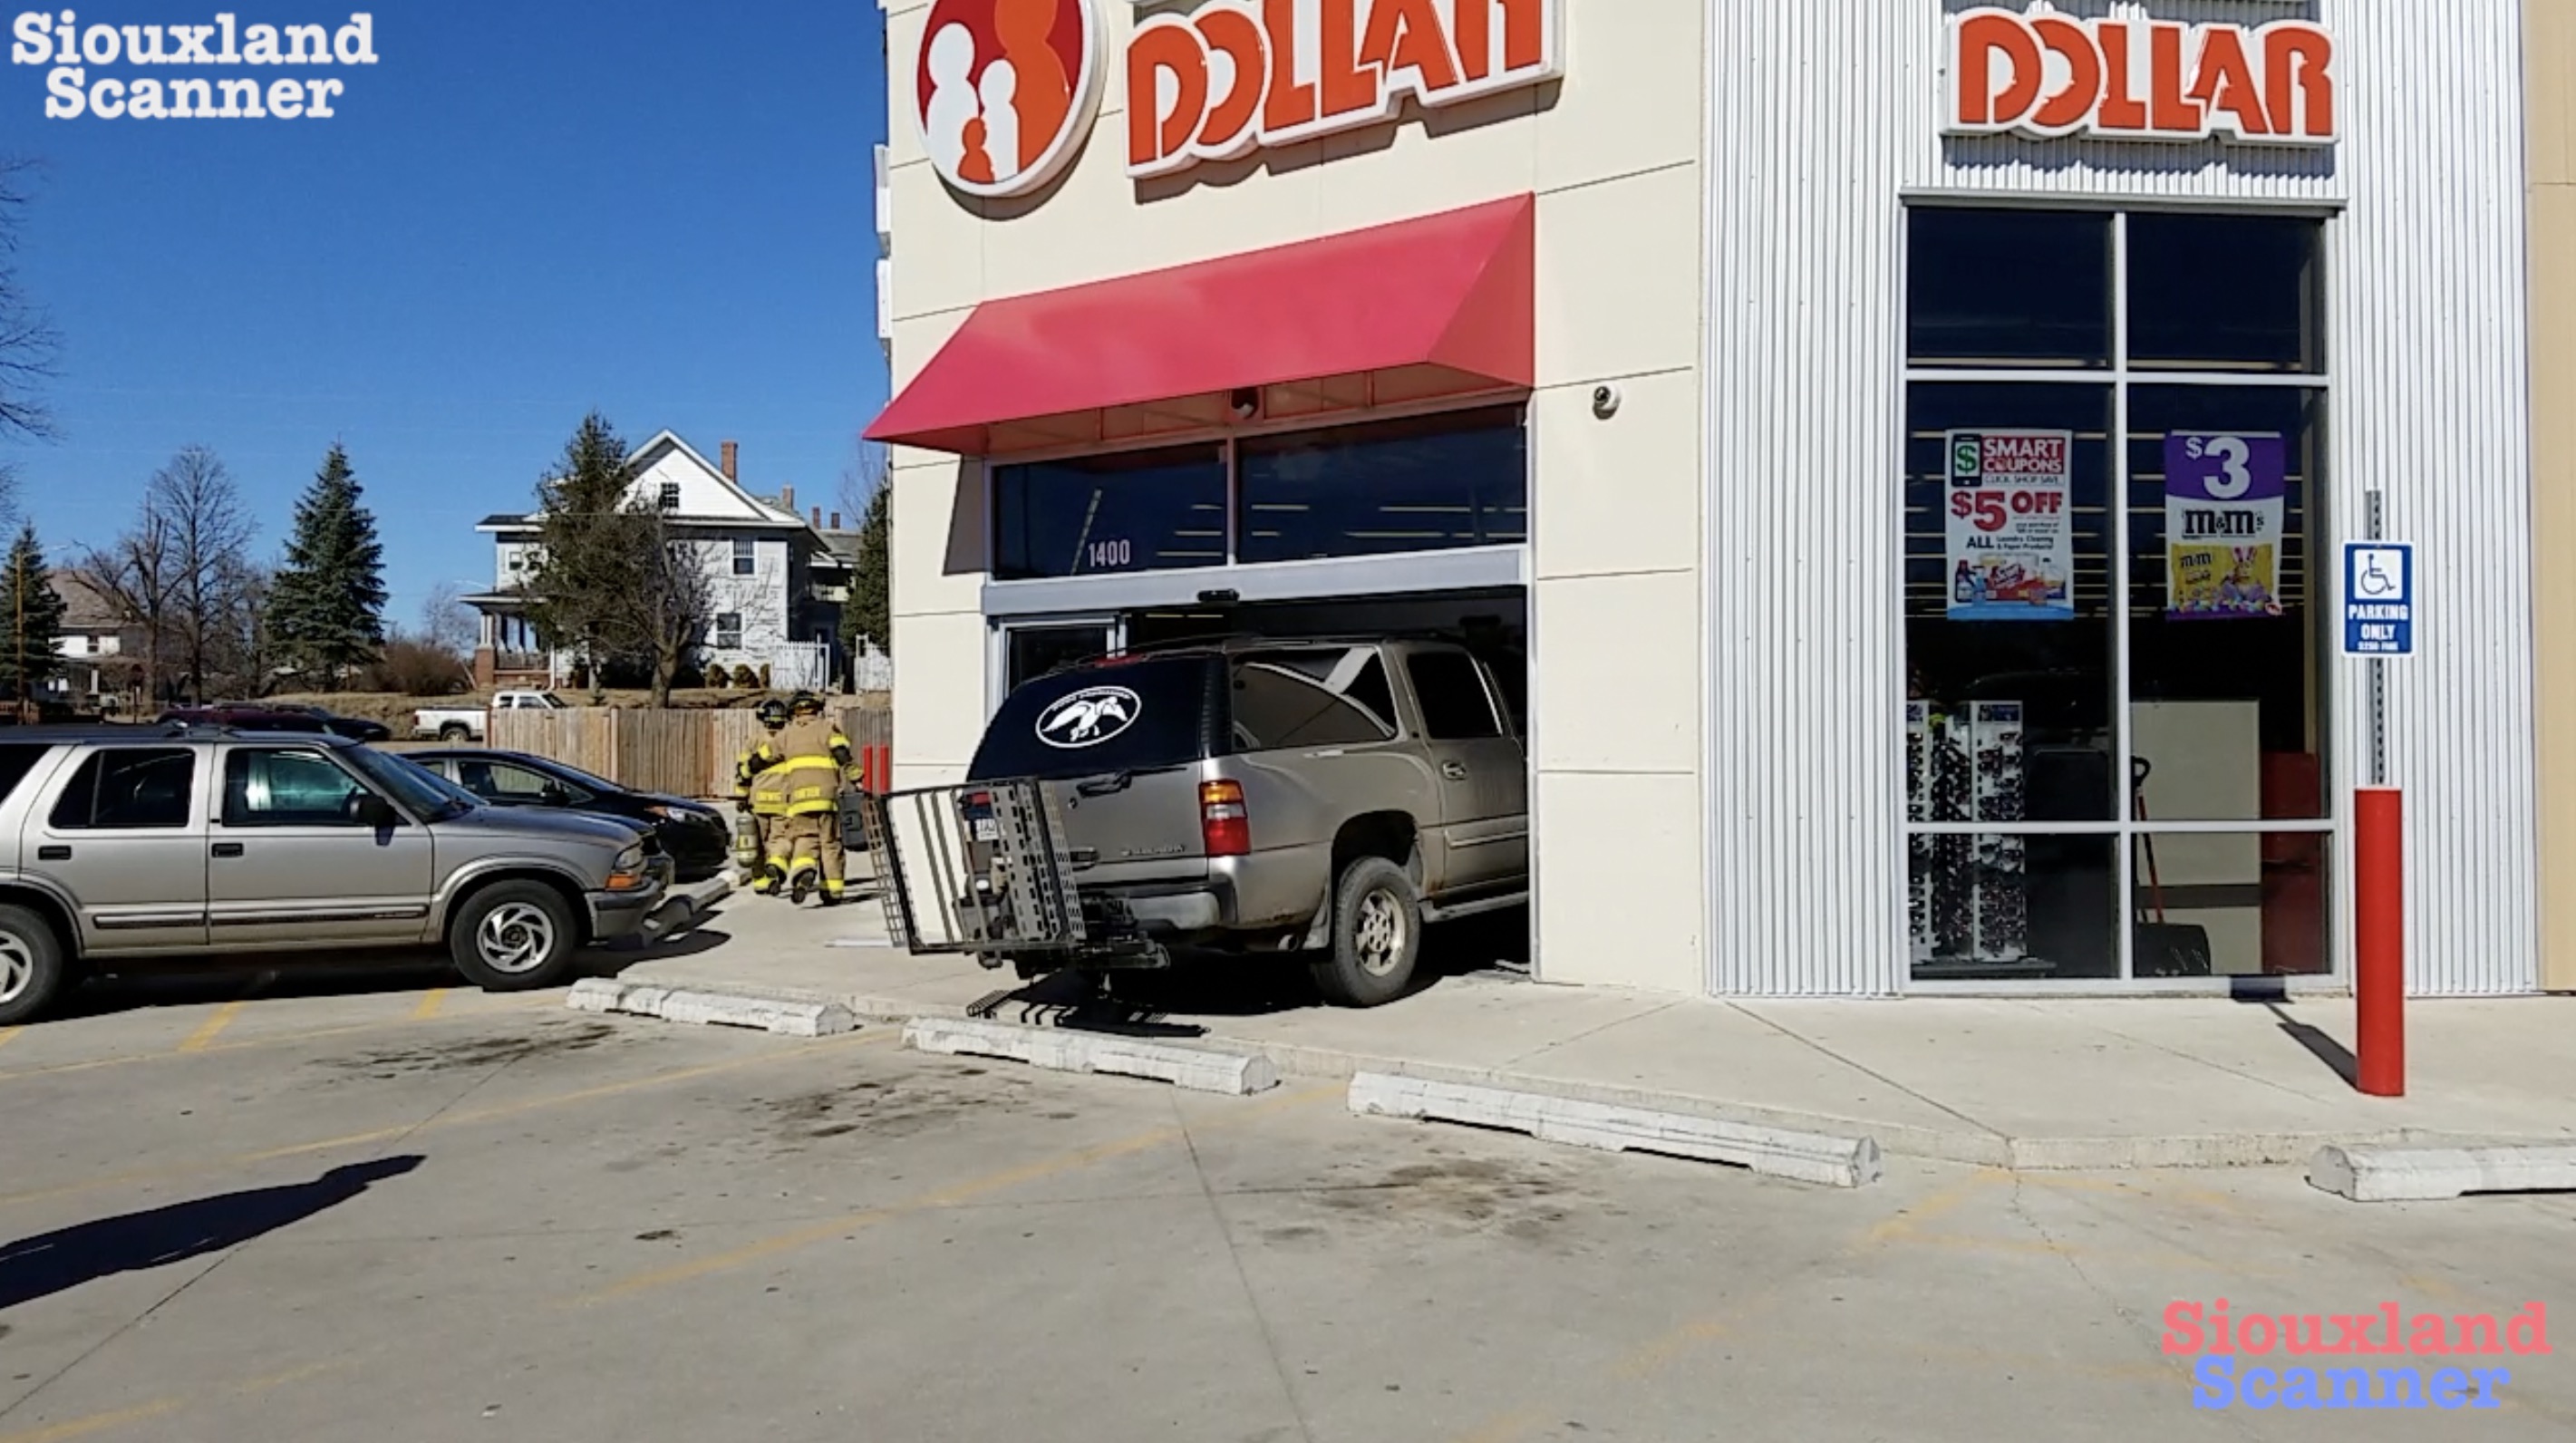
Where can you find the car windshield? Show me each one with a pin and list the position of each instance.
(558, 703)
(416, 787)
(1129, 717)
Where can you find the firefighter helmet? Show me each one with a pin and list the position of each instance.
(772, 713)
(804, 703)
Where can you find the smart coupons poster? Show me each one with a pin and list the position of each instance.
(2226, 504)
(2011, 523)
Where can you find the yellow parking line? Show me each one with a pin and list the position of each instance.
(7, 1034)
(273, 1040)
(430, 1001)
(212, 1027)
(72, 1428)
(946, 1197)
(453, 1119)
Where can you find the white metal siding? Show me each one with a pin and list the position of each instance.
(1823, 116)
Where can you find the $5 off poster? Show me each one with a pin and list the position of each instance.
(2226, 495)
(2011, 525)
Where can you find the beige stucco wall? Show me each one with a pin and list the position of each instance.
(1613, 152)
(2550, 57)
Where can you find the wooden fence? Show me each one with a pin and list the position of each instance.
(687, 753)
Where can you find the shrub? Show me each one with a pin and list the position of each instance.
(414, 668)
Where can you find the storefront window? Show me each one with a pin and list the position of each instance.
(2109, 642)
(2224, 293)
(1424, 484)
(2010, 288)
(1093, 515)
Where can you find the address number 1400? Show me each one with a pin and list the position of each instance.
(1994, 510)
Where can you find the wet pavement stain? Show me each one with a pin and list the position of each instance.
(889, 1110)
(476, 1053)
(1527, 1202)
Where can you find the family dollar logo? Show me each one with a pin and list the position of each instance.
(1006, 91)
(113, 71)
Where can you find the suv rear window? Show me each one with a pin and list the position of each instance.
(129, 787)
(1135, 716)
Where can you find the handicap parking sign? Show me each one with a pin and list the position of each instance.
(2378, 598)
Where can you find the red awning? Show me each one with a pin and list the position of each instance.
(1436, 307)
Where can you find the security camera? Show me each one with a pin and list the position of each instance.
(1247, 404)
(1605, 401)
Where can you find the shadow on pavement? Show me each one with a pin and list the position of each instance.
(1146, 1003)
(2319, 1044)
(55, 1262)
(133, 987)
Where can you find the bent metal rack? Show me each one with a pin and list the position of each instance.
(982, 870)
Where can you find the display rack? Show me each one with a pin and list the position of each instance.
(1967, 897)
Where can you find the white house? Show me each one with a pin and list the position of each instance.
(775, 587)
(92, 644)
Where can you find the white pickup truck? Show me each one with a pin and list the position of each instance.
(457, 724)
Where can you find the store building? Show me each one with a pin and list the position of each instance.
(1911, 443)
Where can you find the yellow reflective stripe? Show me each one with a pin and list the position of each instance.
(798, 764)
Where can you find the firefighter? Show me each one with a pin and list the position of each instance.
(751, 844)
(816, 769)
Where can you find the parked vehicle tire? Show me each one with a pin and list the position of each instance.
(32, 968)
(455, 732)
(514, 937)
(1377, 936)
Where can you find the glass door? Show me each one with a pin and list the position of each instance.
(1026, 650)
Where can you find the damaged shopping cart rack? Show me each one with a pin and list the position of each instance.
(982, 870)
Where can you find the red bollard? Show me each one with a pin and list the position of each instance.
(2379, 939)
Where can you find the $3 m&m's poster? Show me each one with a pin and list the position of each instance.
(2226, 495)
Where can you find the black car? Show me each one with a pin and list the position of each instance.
(282, 717)
(698, 837)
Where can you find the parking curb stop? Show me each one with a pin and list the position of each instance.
(2440, 1174)
(713, 1009)
(1235, 1074)
(1777, 1152)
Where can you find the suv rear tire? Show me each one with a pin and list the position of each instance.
(514, 937)
(1377, 936)
(32, 972)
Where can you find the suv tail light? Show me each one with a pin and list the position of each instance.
(1223, 824)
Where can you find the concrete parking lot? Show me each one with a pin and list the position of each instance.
(331, 1207)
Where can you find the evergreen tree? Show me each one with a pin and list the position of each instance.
(869, 614)
(31, 612)
(326, 608)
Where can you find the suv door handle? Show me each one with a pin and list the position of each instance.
(1454, 771)
(228, 849)
(53, 854)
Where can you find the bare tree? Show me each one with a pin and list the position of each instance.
(446, 622)
(135, 575)
(672, 613)
(209, 550)
(28, 342)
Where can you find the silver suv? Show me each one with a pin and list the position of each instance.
(134, 842)
(1321, 797)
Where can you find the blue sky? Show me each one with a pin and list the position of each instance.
(659, 208)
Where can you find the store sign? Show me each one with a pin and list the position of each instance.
(1237, 76)
(2226, 499)
(2011, 525)
(1006, 90)
(2050, 75)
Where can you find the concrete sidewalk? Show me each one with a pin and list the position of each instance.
(2027, 1084)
